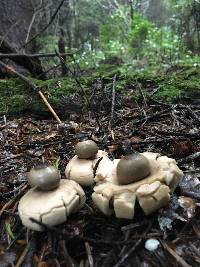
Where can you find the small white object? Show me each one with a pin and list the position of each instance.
(152, 244)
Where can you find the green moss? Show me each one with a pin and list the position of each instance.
(16, 97)
(176, 83)
(169, 93)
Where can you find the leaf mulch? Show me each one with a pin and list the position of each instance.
(89, 238)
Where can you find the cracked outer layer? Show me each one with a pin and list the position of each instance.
(151, 192)
(51, 207)
(82, 170)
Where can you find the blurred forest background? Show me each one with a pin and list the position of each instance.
(133, 38)
(126, 74)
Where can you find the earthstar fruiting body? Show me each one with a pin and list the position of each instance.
(50, 207)
(82, 170)
(152, 192)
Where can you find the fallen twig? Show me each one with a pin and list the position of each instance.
(68, 260)
(89, 254)
(178, 258)
(40, 55)
(189, 158)
(142, 93)
(197, 135)
(23, 255)
(113, 101)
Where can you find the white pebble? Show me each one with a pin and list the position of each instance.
(152, 244)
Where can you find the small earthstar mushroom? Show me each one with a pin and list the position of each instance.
(86, 149)
(44, 177)
(82, 167)
(132, 168)
(51, 200)
(151, 187)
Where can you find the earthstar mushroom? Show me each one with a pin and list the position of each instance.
(152, 192)
(50, 207)
(81, 168)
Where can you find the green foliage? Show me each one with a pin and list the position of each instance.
(9, 231)
(114, 27)
(88, 59)
(104, 29)
(139, 32)
(181, 82)
(113, 34)
(49, 43)
(137, 40)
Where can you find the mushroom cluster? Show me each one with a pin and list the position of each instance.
(51, 199)
(147, 177)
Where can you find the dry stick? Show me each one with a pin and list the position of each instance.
(32, 85)
(89, 254)
(189, 158)
(39, 9)
(10, 202)
(49, 106)
(23, 255)
(113, 100)
(142, 93)
(178, 258)
(81, 88)
(68, 260)
(39, 55)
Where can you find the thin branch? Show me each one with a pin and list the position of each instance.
(13, 55)
(89, 254)
(45, 27)
(189, 158)
(49, 106)
(81, 88)
(142, 93)
(39, 9)
(178, 258)
(113, 100)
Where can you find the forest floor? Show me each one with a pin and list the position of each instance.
(89, 238)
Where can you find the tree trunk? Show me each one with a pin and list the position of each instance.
(15, 18)
(61, 48)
